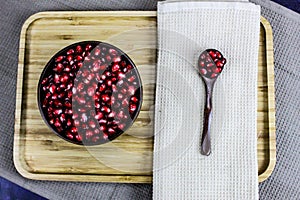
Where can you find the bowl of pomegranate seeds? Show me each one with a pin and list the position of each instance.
(89, 93)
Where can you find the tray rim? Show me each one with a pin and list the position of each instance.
(19, 162)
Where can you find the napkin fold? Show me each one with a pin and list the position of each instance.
(185, 29)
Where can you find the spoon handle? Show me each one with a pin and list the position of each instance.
(206, 142)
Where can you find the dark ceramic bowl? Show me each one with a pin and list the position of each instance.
(89, 93)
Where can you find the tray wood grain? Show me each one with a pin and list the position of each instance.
(40, 154)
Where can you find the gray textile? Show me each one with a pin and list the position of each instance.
(284, 183)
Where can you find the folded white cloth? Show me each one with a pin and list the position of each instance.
(185, 29)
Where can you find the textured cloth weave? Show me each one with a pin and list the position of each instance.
(184, 30)
(283, 184)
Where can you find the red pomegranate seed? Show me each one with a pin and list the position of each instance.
(131, 79)
(125, 103)
(134, 99)
(112, 114)
(71, 51)
(88, 47)
(69, 122)
(102, 128)
(78, 49)
(113, 52)
(210, 65)
(76, 123)
(117, 59)
(52, 88)
(213, 75)
(203, 71)
(115, 68)
(78, 138)
(59, 58)
(70, 136)
(105, 97)
(70, 58)
(57, 123)
(111, 131)
(51, 121)
(97, 105)
(97, 52)
(121, 75)
(132, 107)
(99, 115)
(102, 87)
(131, 90)
(105, 109)
(102, 121)
(57, 112)
(121, 126)
(91, 91)
(89, 134)
(92, 124)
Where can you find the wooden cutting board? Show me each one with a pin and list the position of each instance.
(40, 154)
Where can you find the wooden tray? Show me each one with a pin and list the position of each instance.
(40, 154)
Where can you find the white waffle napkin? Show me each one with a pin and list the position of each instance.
(185, 29)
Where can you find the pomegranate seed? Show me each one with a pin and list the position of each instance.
(105, 136)
(111, 131)
(97, 52)
(57, 123)
(99, 116)
(103, 67)
(76, 122)
(52, 88)
(78, 58)
(91, 91)
(108, 58)
(102, 128)
(202, 63)
(115, 68)
(97, 105)
(105, 109)
(112, 114)
(88, 47)
(78, 49)
(51, 121)
(121, 75)
(105, 97)
(213, 75)
(134, 99)
(69, 122)
(121, 126)
(89, 134)
(92, 124)
(210, 65)
(203, 71)
(56, 112)
(71, 51)
(102, 87)
(59, 58)
(70, 58)
(102, 121)
(131, 79)
(78, 138)
(70, 136)
(131, 90)
(73, 129)
(217, 70)
(132, 107)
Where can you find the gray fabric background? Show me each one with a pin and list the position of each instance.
(284, 183)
